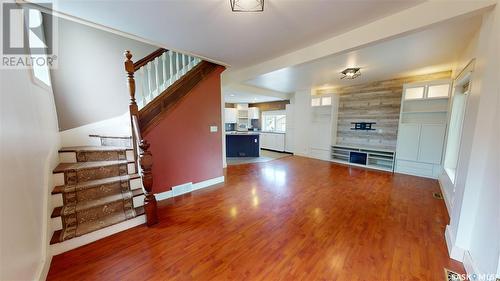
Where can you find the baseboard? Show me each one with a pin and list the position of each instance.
(446, 196)
(188, 187)
(43, 270)
(76, 242)
(454, 251)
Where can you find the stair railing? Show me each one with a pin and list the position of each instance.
(142, 155)
(158, 71)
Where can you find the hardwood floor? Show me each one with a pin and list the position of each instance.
(289, 219)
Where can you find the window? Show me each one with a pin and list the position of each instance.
(274, 121)
(457, 115)
(414, 93)
(41, 72)
(321, 101)
(438, 91)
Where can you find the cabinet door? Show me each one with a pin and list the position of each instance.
(280, 142)
(264, 140)
(408, 141)
(431, 143)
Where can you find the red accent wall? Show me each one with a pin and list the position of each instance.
(184, 150)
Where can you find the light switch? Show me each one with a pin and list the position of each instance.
(213, 129)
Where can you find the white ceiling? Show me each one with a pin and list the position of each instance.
(247, 97)
(432, 50)
(209, 28)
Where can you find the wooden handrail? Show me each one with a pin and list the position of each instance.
(142, 155)
(142, 62)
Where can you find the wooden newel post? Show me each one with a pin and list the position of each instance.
(134, 110)
(146, 162)
(143, 156)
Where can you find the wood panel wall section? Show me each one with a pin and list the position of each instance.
(378, 102)
(268, 106)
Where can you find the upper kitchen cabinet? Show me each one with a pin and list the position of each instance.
(230, 115)
(253, 113)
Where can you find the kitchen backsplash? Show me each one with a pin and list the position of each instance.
(230, 127)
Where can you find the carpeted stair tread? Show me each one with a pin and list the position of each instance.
(85, 228)
(94, 148)
(62, 167)
(58, 210)
(83, 205)
(92, 183)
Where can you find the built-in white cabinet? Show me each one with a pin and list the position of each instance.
(422, 128)
(253, 113)
(230, 115)
(273, 141)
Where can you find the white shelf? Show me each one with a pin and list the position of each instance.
(375, 159)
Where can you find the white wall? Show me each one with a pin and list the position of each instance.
(90, 81)
(302, 123)
(474, 228)
(29, 144)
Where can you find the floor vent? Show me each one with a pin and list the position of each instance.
(452, 275)
(437, 195)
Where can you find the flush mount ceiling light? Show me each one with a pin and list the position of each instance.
(351, 73)
(247, 5)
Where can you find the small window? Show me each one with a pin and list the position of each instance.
(326, 101)
(438, 91)
(315, 102)
(40, 69)
(414, 93)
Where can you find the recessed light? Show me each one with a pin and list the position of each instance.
(232, 95)
(350, 73)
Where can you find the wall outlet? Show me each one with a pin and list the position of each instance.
(214, 129)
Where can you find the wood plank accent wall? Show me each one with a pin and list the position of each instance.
(378, 102)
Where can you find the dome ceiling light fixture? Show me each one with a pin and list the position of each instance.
(247, 5)
(351, 73)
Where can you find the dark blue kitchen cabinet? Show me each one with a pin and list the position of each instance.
(242, 145)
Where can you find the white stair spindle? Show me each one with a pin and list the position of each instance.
(177, 68)
(164, 70)
(139, 94)
(143, 85)
(157, 76)
(183, 64)
(171, 63)
(150, 82)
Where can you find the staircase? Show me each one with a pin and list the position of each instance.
(106, 185)
(95, 188)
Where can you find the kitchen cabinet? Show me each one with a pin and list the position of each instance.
(253, 113)
(230, 115)
(272, 141)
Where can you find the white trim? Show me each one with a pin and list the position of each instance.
(43, 269)
(470, 267)
(446, 196)
(454, 251)
(76, 242)
(207, 183)
(189, 187)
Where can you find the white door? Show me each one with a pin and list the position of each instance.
(431, 143)
(408, 142)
